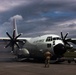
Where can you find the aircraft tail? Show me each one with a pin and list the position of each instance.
(15, 27)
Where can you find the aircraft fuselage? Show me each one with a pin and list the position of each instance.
(36, 47)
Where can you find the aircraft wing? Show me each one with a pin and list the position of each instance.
(7, 39)
(4, 40)
(73, 40)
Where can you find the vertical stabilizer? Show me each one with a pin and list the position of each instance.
(15, 27)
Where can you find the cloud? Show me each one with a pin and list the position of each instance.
(37, 20)
(6, 26)
(70, 24)
(40, 16)
(6, 5)
(17, 17)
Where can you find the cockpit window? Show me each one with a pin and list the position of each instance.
(56, 38)
(49, 39)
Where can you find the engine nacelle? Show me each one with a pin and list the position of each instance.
(23, 52)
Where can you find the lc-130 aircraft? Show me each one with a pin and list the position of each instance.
(35, 47)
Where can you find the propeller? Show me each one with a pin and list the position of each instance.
(13, 40)
(64, 39)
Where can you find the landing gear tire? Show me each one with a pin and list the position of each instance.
(75, 61)
(17, 58)
(69, 61)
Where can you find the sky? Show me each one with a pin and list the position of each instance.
(38, 17)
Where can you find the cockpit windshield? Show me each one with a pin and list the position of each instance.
(52, 38)
(49, 39)
(56, 38)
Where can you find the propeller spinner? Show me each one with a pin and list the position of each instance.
(13, 40)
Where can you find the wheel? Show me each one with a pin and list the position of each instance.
(69, 61)
(75, 61)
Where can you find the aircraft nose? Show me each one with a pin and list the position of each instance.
(59, 49)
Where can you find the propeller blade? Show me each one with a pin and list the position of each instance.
(19, 41)
(62, 35)
(9, 35)
(7, 45)
(13, 40)
(17, 45)
(65, 35)
(18, 36)
(64, 39)
(68, 44)
(12, 47)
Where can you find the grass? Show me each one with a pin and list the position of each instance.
(70, 54)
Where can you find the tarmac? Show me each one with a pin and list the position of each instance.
(31, 68)
(10, 67)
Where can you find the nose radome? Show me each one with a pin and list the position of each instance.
(59, 49)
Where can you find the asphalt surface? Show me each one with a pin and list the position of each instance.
(10, 67)
(31, 68)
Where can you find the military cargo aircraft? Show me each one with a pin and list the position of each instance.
(35, 47)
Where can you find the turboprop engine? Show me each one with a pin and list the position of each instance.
(23, 51)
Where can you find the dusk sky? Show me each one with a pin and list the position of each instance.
(38, 17)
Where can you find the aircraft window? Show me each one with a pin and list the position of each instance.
(59, 38)
(49, 39)
(56, 38)
(48, 45)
